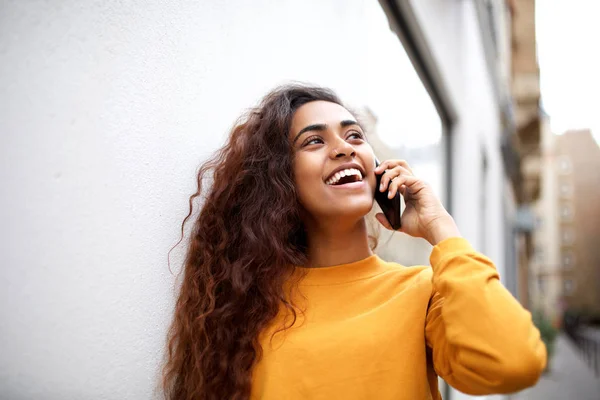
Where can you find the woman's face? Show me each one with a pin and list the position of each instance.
(333, 163)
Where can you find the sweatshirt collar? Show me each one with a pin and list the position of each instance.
(343, 273)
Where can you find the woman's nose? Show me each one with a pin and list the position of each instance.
(343, 150)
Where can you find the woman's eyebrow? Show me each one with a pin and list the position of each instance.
(321, 127)
(348, 122)
(313, 127)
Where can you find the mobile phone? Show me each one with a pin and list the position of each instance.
(391, 207)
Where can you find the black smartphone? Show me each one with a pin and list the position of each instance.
(391, 207)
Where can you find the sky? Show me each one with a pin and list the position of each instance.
(568, 35)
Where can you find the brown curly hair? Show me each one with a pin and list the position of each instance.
(245, 242)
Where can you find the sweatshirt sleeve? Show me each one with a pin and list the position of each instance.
(483, 340)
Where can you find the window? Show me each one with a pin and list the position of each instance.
(538, 254)
(566, 212)
(568, 260)
(397, 105)
(568, 286)
(566, 190)
(540, 282)
(401, 104)
(564, 165)
(568, 236)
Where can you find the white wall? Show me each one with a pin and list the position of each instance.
(453, 33)
(106, 109)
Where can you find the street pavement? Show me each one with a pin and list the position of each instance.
(569, 377)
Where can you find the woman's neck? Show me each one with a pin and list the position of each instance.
(337, 243)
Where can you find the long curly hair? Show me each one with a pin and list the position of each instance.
(243, 246)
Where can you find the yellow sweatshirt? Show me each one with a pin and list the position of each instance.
(378, 330)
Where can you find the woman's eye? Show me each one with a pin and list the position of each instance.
(355, 135)
(313, 140)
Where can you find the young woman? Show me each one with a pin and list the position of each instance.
(282, 297)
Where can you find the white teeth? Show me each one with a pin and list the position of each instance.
(347, 172)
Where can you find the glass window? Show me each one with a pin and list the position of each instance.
(568, 286)
(539, 254)
(568, 260)
(566, 212)
(566, 190)
(564, 165)
(568, 236)
(403, 124)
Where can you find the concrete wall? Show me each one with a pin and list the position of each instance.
(106, 110)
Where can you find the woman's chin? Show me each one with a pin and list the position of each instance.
(353, 209)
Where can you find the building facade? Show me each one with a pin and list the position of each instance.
(566, 261)
(577, 158)
(545, 285)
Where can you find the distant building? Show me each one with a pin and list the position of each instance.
(566, 262)
(577, 158)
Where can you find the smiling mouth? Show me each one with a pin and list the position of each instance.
(349, 175)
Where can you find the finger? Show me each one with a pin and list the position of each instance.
(387, 177)
(394, 186)
(381, 167)
(389, 164)
(404, 164)
(391, 174)
(386, 165)
(402, 190)
(407, 170)
(409, 181)
(383, 221)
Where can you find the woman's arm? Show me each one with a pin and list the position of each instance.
(483, 340)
